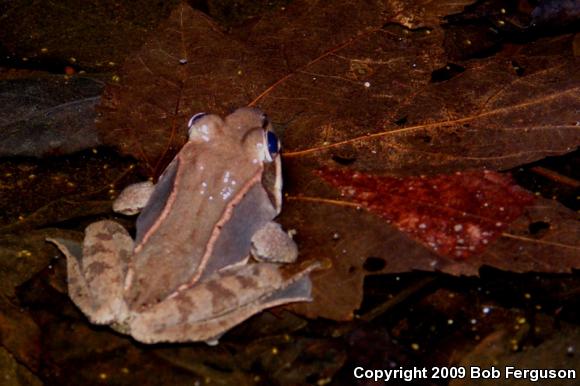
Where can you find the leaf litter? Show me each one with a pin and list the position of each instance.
(358, 100)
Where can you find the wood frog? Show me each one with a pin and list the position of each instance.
(188, 275)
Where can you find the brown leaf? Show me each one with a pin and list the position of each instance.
(20, 335)
(495, 113)
(296, 361)
(14, 373)
(546, 229)
(421, 13)
(189, 65)
(351, 87)
(95, 35)
(40, 192)
(22, 256)
(365, 93)
(496, 351)
(356, 243)
(184, 68)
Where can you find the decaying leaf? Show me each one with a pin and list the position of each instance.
(395, 94)
(456, 215)
(357, 243)
(496, 350)
(373, 96)
(48, 115)
(93, 36)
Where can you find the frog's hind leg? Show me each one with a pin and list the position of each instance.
(96, 276)
(207, 310)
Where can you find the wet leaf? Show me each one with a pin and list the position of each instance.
(372, 90)
(560, 14)
(495, 113)
(378, 98)
(14, 373)
(356, 243)
(92, 35)
(48, 115)
(415, 14)
(295, 361)
(20, 335)
(456, 215)
(191, 65)
(496, 350)
(60, 189)
(22, 256)
(365, 94)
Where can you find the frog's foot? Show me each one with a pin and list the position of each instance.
(133, 198)
(96, 276)
(207, 310)
(273, 245)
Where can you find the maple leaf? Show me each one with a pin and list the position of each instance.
(364, 93)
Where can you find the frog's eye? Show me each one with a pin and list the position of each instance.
(192, 131)
(273, 145)
(194, 119)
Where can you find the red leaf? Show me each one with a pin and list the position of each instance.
(455, 215)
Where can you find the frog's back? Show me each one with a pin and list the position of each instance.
(182, 222)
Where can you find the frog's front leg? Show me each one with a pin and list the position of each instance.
(133, 198)
(272, 244)
(96, 278)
